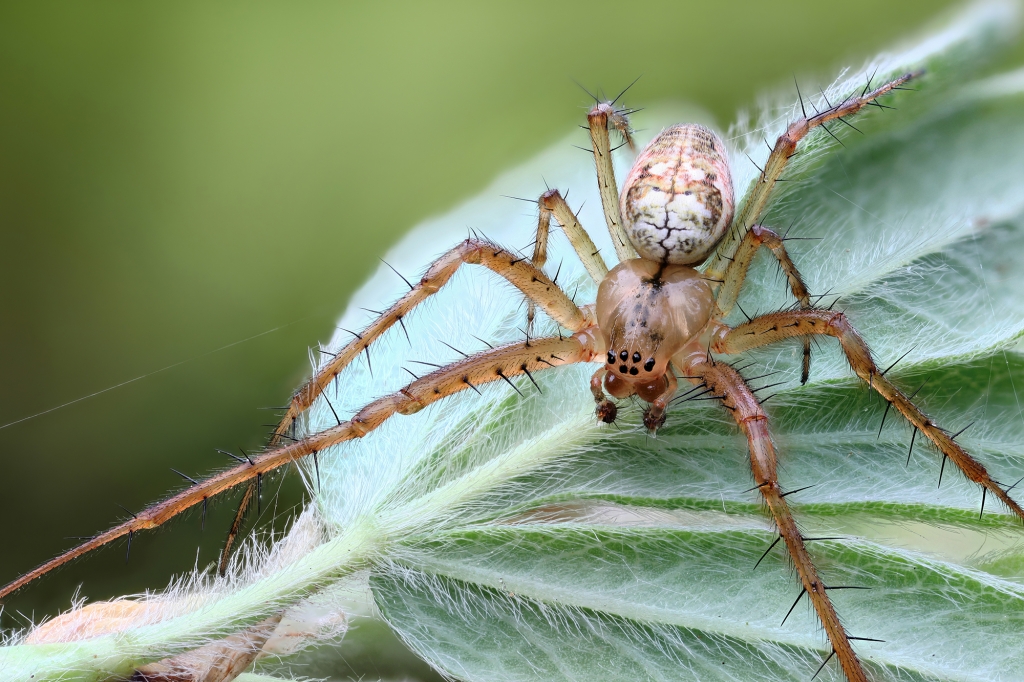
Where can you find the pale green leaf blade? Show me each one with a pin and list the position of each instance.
(681, 600)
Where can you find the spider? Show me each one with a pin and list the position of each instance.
(657, 319)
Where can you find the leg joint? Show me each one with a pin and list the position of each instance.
(549, 199)
(839, 321)
(760, 234)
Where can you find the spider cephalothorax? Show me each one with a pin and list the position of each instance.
(648, 312)
(657, 319)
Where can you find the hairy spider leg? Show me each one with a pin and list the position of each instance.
(551, 204)
(236, 525)
(784, 149)
(539, 258)
(599, 118)
(501, 363)
(736, 396)
(768, 329)
(519, 272)
(577, 235)
(736, 273)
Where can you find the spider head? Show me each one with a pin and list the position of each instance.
(647, 312)
(677, 201)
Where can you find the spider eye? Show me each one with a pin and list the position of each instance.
(634, 371)
(611, 357)
(623, 355)
(649, 365)
(623, 369)
(636, 356)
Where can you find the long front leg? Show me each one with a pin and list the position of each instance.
(519, 272)
(722, 380)
(525, 276)
(501, 363)
(784, 149)
(768, 329)
(736, 273)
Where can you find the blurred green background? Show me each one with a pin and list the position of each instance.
(178, 177)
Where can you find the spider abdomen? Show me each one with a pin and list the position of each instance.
(677, 201)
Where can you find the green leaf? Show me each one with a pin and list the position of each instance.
(664, 601)
(650, 552)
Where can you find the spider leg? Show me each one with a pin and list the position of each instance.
(726, 382)
(599, 118)
(523, 275)
(774, 327)
(577, 235)
(500, 363)
(520, 273)
(236, 527)
(736, 273)
(540, 257)
(784, 149)
(551, 204)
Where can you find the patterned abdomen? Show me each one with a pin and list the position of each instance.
(678, 200)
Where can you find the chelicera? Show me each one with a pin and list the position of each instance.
(683, 248)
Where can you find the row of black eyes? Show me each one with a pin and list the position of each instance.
(623, 355)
